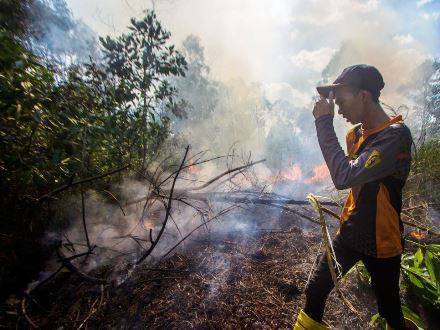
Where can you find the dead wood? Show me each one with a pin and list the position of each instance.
(116, 200)
(26, 316)
(92, 308)
(66, 262)
(83, 209)
(168, 210)
(226, 173)
(265, 199)
(198, 227)
(71, 184)
(187, 166)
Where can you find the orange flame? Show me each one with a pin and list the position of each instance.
(417, 235)
(293, 173)
(320, 174)
(148, 224)
(192, 169)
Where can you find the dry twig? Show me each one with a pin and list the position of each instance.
(168, 210)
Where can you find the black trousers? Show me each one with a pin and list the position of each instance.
(384, 274)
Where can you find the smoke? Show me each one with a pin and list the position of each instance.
(279, 52)
(253, 68)
(54, 34)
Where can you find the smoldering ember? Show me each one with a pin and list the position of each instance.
(184, 165)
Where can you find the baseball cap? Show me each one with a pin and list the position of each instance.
(362, 76)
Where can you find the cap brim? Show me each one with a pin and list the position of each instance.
(325, 90)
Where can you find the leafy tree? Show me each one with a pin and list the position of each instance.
(138, 64)
(25, 86)
(61, 123)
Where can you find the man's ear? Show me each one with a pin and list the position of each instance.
(365, 96)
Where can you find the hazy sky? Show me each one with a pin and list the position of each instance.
(286, 44)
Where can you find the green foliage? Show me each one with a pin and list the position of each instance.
(362, 273)
(138, 65)
(46, 129)
(411, 315)
(25, 100)
(408, 314)
(90, 118)
(422, 274)
(60, 123)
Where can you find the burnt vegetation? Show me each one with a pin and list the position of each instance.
(110, 220)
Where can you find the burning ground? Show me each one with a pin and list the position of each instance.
(234, 279)
(217, 250)
(221, 256)
(230, 277)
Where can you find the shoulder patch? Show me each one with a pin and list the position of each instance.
(374, 159)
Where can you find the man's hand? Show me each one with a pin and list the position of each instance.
(324, 107)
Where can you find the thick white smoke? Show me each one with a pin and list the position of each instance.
(266, 59)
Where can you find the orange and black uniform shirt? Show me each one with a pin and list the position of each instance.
(375, 169)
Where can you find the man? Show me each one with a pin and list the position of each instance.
(376, 168)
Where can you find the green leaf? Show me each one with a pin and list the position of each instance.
(435, 248)
(411, 315)
(418, 258)
(430, 266)
(377, 319)
(415, 280)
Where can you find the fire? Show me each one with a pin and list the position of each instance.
(293, 173)
(320, 174)
(192, 169)
(417, 235)
(148, 224)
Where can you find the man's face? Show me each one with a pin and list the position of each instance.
(349, 104)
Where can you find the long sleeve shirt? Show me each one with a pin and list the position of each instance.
(376, 168)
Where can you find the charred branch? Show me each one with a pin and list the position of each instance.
(66, 262)
(168, 210)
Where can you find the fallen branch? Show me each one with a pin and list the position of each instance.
(266, 199)
(90, 179)
(199, 226)
(23, 310)
(46, 280)
(83, 209)
(92, 310)
(231, 197)
(168, 210)
(226, 173)
(66, 262)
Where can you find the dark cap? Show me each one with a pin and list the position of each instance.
(362, 76)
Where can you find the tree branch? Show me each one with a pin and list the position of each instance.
(93, 178)
(168, 210)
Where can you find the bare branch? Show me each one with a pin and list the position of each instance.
(226, 173)
(199, 226)
(115, 199)
(93, 178)
(168, 210)
(66, 262)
